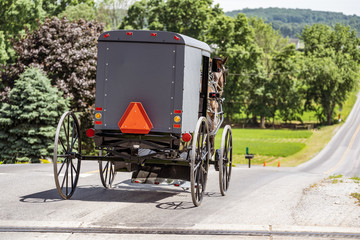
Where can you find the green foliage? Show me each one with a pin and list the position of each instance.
(15, 16)
(29, 118)
(80, 11)
(286, 86)
(3, 54)
(331, 68)
(67, 52)
(244, 57)
(55, 7)
(189, 17)
(291, 22)
(268, 82)
(111, 12)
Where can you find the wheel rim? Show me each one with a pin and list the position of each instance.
(225, 161)
(67, 152)
(107, 172)
(199, 161)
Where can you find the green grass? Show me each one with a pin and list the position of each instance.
(290, 147)
(356, 179)
(265, 142)
(357, 196)
(335, 176)
(309, 117)
(348, 105)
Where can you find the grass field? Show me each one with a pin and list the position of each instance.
(266, 144)
(290, 147)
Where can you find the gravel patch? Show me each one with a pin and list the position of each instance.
(329, 203)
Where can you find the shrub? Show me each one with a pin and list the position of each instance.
(28, 120)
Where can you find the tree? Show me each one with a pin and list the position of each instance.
(137, 15)
(264, 89)
(189, 17)
(80, 11)
(15, 16)
(28, 120)
(111, 12)
(291, 22)
(331, 67)
(3, 54)
(67, 52)
(55, 7)
(287, 85)
(326, 86)
(244, 57)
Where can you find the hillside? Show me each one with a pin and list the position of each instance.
(290, 22)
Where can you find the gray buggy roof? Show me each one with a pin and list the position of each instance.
(148, 36)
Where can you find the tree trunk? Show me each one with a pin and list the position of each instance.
(330, 114)
(254, 119)
(262, 122)
(273, 123)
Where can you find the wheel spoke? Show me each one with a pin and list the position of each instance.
(67, 178)
(198, 185)
(197, 166)
(111, 174)
(62, 165)
(106, 170)
(62, 144)
(73, 167)
(68, 129)
(72, 176)
(73, 142)
(62, 185)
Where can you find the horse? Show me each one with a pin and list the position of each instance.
(216, 85)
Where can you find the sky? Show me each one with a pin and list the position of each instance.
(348, 7)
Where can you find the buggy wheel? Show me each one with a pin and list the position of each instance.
(107, 172)
(225, 161)
(67, 155)
(200, 156)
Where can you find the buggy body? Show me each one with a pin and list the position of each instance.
(151, 105)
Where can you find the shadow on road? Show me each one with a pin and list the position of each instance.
(177, 205)
(121, 192)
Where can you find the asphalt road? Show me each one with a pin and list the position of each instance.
(259, 199)
(342, 154)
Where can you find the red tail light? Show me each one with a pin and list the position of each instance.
(129, 33)
(106, 35)
(153, 34)
(186, 137)
(90, 132)
(176, 38)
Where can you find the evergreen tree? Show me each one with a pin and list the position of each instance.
(28, 120)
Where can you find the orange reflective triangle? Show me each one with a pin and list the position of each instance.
(135, 120)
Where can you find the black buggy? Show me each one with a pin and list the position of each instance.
(151, 115)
